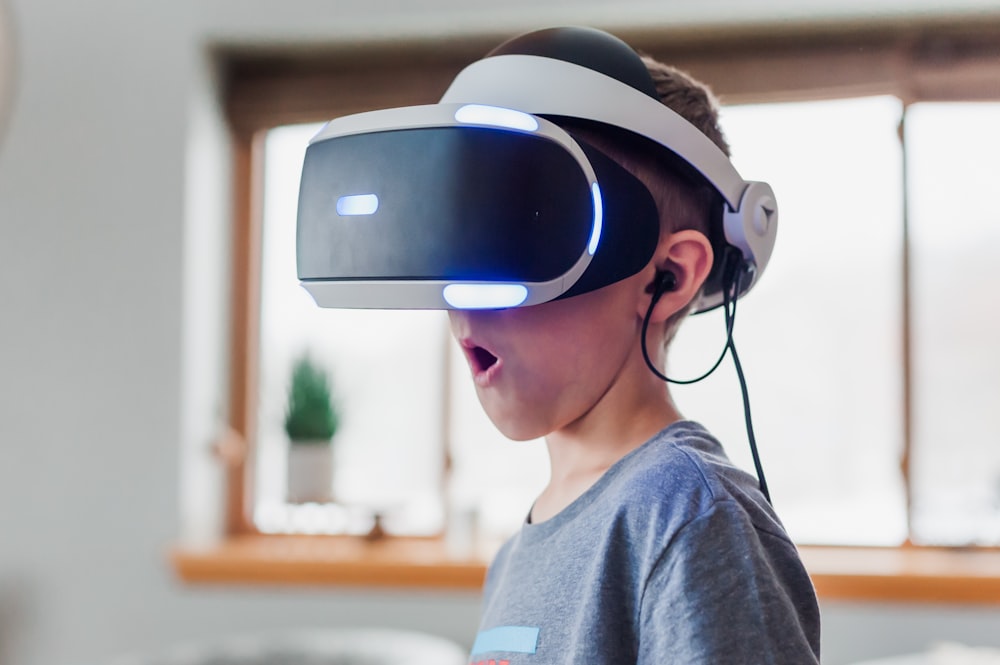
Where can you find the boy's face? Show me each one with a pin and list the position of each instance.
(539, 369)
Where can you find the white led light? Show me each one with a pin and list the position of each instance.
(357, 204)
(480, 114)
(485, 296)
(595, 235)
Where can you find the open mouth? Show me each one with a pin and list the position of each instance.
(482, 360)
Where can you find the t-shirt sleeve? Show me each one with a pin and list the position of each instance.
(726, 592)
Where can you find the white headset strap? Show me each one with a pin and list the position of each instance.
(546, 86)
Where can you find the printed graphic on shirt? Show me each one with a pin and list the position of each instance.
(504, 640)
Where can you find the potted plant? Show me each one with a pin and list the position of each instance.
(311, 421)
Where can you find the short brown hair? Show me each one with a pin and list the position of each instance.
(684, 199)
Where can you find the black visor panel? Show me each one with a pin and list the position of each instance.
(631, 226)
(441, 203)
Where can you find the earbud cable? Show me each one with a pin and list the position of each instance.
(730, 297)
(749, 422)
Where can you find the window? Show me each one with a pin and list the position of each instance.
(876, 306)
(955, 228)
(827, 383)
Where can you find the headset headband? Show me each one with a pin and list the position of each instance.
(550, 87)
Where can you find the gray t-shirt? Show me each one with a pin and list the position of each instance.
(673, 557)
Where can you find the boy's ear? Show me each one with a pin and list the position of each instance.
(685, 255)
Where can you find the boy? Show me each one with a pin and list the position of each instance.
(647, 545)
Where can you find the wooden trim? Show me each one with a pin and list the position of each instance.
(333, 561)
(930, 59)
(245, 322)
(903, 575)
(265, 91)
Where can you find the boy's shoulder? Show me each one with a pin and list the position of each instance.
(679, 475)
(684, 460)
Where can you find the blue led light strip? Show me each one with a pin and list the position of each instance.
(484, 296)
(357, 204)
(595, 235)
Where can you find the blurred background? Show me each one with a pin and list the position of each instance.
(118, 190)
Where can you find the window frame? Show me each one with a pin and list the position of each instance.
(925, 60)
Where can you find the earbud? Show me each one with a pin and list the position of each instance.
(665, 281)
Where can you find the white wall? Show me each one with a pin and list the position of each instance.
(112, 310)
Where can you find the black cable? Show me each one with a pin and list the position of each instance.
(729, 298)
(749, 423)
(684, 382)
(733, 282)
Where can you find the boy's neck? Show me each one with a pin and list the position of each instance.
(582, 452)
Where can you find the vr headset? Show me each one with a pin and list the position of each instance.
(484, 201)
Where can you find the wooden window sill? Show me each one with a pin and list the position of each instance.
(333, 560)
(907, 575)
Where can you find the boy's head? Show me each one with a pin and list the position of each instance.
(542, 369)
(488, 194)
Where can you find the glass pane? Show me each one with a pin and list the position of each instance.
(388, 376)
(955, 229)
(819, 336)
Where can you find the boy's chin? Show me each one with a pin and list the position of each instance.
(515, 428)
(518, 416)
(518, 433)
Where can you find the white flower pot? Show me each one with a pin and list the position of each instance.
(310, 472)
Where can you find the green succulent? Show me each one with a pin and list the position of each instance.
(311, 415)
